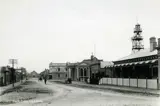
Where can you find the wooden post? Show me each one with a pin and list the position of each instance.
(157, 83)
(111, 80)
(129, 81)
(122, 80)
(146, 83)
(117, 81)
(137, 82)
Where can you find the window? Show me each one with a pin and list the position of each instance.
(85, 72)
(58, 75)
(58, 69)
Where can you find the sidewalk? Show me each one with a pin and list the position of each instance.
(5, 88)
(120, 89)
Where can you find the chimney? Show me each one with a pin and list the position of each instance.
(153, 44)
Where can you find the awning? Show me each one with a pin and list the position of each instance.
(122, 65)
(153, 61)
(126, 64)
(130, 63)
(111, 66)
(135, 63)
(141, 62)
(147, 61)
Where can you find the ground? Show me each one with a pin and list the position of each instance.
(36, 93)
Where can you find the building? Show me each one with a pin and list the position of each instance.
(82, 71)
(7, 76)
(57, 71)
(140, 68)
(20, 74)
(34, 74)
(106, 72)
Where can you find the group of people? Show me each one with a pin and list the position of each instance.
(43, 78)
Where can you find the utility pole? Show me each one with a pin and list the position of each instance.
(13, 62)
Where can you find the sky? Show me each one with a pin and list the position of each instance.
(37, 32)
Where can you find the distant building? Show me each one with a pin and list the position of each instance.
(57, 71)
(34, 74)
(5, 76)
(87, 69)
(20, 73)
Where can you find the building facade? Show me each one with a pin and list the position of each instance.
(57, 71)
(88, 70)
(140, 68)
(7, 76)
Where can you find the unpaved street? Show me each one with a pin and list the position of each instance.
(62, 95)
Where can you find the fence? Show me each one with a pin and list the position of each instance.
(131, 82)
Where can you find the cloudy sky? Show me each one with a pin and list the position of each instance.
(37, 32)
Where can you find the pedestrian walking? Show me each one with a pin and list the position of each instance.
(45, 79)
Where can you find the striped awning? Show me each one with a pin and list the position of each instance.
(147, 61)
(141, 62)
(130, 63)
(135, 63)
(153, 61)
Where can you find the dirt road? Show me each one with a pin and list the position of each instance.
(63, 95)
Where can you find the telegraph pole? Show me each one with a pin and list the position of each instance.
(13, 62)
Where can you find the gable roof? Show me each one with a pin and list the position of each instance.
(83, 64)
(141, 53)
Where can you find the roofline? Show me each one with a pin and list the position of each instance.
(134, 58)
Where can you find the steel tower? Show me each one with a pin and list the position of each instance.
(137, 39)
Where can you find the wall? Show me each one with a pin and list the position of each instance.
(141, 83)
(95, 68)
(58, 76)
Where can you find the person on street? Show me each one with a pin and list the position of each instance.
(45, 79)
